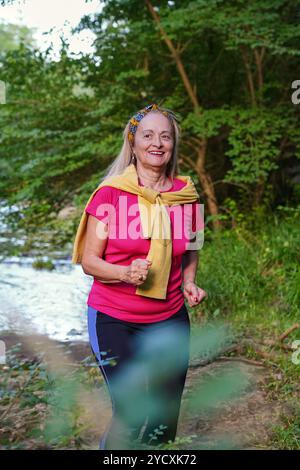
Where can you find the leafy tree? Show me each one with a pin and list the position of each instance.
(228, 74)
(11, 35)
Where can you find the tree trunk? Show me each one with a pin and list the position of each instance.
(249, 76)
(206, 183)
(199, 166)
(259, 192)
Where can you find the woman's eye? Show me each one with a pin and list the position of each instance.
(164, 136)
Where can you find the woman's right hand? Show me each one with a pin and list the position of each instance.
(133, 272)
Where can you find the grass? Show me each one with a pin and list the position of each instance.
(252, 276)
(287, 436)
(40, 409)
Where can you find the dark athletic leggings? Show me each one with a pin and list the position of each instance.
(144, 366)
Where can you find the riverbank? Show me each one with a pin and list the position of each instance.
(252, 279)
(29, 347)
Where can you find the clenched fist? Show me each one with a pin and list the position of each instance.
(193, 293)
(136, 273)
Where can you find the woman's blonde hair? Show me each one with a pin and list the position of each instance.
(124, 158)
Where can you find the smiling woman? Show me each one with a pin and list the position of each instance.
(137, 287)
(153, 143)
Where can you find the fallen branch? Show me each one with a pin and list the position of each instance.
(209, 360)
(288, 331)
(241, 359)
(239, 349)
(256, 347)
(279, 341)
(273, 342)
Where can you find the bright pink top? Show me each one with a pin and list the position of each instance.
(119, 299)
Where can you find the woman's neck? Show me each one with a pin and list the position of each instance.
(158, 184)
(154, 180)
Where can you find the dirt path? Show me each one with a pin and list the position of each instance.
(244, 423)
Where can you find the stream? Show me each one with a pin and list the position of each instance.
(49, 302)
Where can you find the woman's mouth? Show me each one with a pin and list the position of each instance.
(157, 153)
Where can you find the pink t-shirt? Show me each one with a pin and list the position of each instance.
(121, 215)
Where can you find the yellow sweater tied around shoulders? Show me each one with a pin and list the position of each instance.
(155, 224)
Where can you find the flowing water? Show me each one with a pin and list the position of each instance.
(42, 301)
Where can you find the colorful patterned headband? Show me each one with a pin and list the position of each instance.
(136, 118)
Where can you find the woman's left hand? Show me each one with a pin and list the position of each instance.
(193, 294)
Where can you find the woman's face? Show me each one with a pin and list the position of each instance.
(154, 134)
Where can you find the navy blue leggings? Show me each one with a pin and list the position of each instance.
(144, 366)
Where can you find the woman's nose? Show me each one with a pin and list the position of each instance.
(156, 140)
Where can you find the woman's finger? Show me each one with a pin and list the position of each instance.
(194, 294)
(200, 294)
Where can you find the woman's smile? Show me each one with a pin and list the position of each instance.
(153, 143)
(156, 153)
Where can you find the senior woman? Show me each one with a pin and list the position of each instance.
(130, 240)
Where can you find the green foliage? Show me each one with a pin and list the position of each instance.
(41, 264)
(252, 278)
(255, 139)
(12, 35)
(287, 435)
(62, 125)
(254, 269)
(63, 120)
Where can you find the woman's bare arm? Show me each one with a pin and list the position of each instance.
(92, 262)
(189, 266)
